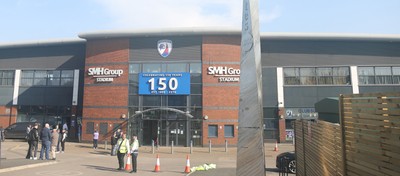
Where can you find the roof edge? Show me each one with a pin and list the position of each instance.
(161, 32)
(331, 36)
(41, 43)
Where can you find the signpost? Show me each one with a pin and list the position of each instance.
(250, 150)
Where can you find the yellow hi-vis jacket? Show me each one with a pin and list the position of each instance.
(123, 145)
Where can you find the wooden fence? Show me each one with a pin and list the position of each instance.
(370, 130)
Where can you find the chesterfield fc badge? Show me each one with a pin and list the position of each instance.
(164, 47)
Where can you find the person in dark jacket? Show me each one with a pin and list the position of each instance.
(34, 138)
(114, 139)
(28, 130)
(45, 137)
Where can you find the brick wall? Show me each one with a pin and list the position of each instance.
(220, 99)
(105, 102)
(8, 116)
(282, 130)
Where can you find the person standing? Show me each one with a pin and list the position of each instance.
(45, 137)
(63, 140)
(34, 138)
(122, 150)
(95, 139)
(135, 152)
(114, 140)
(28, 129)
(54, 141)
(65, 126)
(119, 133)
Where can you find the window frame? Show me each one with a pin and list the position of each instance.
(312, 76)
(232, 128)
(376, 75)
(216, 131)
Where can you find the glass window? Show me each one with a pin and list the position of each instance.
(177, 100)
(195, 78)
(89, 127)
(67, 77)
(291, 76)
(134, 78)
(177, 67)
(228, 130)
(317, 76)
(325, 75)
(366, 75)
(341, 75)
(133, 100)
(40, 78)
(53, 78)
(270, 124)
(307, 76)
(6, 77)
(212, 130)
(151, 100)
(133, 89)
(195, 89)
(103, 128)
(134, 68)
(383, 75)
(147, 68)
(378, 75)
(271, 134)
(396, 75)
(195, 100)
(195, 67)
(27, 78)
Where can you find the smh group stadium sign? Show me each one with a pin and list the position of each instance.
(104, 74)
(224, 74)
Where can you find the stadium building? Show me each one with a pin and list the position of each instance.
(182, 85)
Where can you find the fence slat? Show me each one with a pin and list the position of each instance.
(366, 143)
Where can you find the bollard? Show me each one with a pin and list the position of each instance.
(226, 146)
(172, 147)
(209, 146)
(152, 146)
(105, 145)
(191, 146)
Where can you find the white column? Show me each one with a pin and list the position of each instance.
(279, 78)
(354, 79)
(75, 88)
(17, 78)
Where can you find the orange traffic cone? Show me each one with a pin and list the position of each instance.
(128, 165)
(187, 168)
(276, 147)
(157, 168)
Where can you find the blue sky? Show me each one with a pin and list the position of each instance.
(32, 20)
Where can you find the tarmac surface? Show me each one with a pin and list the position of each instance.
(82, 159)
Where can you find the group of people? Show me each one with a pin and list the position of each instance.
(51, 141)
(121, 146)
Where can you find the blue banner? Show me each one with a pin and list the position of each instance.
(167, 83)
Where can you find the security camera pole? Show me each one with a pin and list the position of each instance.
(250, 150)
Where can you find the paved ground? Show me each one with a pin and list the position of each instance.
(81, 159)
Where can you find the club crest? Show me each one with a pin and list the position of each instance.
(164, 47)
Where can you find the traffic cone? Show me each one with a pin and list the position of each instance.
(157, 167)
(187, 168)
(128, 165)
(276, 146)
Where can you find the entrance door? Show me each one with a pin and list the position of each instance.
(162, 125)
(177, 132)
(150, 131)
